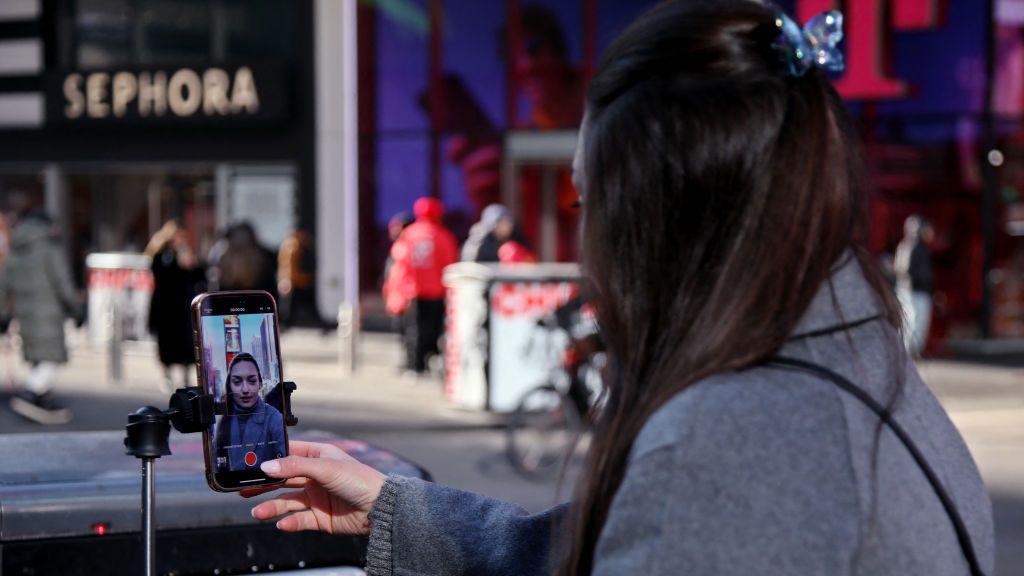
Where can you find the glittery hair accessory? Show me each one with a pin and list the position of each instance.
(816, 44)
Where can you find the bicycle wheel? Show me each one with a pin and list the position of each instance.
(541, 431)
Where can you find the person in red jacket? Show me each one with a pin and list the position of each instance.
(513, 252)
(413, 288)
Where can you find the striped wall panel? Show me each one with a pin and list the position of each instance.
(22, 102)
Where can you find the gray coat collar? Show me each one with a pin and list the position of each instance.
(854, 300)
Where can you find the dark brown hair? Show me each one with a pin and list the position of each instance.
(718, 192)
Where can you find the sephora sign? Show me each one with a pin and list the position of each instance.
(166, 96)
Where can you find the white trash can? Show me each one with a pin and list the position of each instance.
(120, 287)
(494, 349)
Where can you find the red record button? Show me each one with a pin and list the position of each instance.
(250, 458)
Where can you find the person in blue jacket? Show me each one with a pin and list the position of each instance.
(250, 424)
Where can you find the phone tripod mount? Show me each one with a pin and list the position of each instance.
(148, 438)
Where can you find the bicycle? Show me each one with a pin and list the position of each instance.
(551, 417)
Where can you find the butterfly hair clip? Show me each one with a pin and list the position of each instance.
(816, 44)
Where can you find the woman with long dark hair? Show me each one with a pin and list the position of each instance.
(249, 424)
(761, 416)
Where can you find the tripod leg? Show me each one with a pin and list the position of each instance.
(149, 514)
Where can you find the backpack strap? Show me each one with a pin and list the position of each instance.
(886, 417)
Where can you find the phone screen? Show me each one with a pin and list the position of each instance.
(241, 368)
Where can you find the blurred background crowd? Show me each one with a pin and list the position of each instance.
(122, 115)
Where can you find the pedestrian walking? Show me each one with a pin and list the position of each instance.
(761, 415)
(914, 281)
(296, 265)
(37, 291)
(396, 225)
(413, 288)
(486, 237)
(177, 278)
(6, 347)
(245, 264)
(5, 239)
(394, 301)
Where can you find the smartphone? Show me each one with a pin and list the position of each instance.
(239, 364)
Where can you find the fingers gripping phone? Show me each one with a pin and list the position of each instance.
(239, 364)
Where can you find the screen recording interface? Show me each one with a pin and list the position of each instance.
(244, 375)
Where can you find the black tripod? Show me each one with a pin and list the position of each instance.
(148, 431)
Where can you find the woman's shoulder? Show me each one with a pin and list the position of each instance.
(743, 411)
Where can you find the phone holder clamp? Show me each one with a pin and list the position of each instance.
(147, 438)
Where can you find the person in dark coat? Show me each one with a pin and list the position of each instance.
(245, 264)
(914, 281)
(37, 291)
(296, 280)
(177, 279)
(486, 237)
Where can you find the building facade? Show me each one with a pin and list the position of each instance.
(335, 115)
(126, 113)
(486, 110)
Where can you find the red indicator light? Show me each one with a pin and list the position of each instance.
(100, 528)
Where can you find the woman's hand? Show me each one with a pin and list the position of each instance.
(336, 496)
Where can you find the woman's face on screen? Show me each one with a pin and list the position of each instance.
(244, 380)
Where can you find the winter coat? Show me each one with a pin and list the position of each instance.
(513, 252)
(36, 286)
(914, 266)
(260, 431)
(487, 248)
(296, 260)
(170, 309)
(420, 256)
(758, 471)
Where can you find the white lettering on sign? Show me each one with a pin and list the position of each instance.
(152, 94)
(96, 95)
(214, 92)
(533, 299)
(125, 90)
(184, 92)
(243, 97)
(73, 94)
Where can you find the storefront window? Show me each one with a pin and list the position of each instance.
(491, 77)
(117, 208)
(176, 31)
(112, 33)
(103, 32)
(923, 127)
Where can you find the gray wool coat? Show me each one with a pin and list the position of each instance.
(36, 287)
(762, 471)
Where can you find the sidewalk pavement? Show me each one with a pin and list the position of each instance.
(390, 399)
(378, 396)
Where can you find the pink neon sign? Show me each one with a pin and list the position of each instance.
(869, 24)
